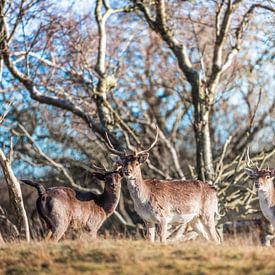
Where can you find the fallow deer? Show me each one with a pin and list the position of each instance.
(63, 208)
(263, 180)
(166, 202)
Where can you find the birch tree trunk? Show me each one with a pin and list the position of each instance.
(15, 195)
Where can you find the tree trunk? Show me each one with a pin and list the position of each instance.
(105, 84)
(201, 103)
(15, 196)
(207, 150)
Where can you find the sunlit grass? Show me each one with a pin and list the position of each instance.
(136, 257)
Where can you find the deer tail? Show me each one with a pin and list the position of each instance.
(39, 187)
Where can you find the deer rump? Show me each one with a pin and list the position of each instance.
(178, 201)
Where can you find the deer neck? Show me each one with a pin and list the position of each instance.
(267, 196)
(137, 188)
(109, 201)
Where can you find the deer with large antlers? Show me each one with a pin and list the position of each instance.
(263, 180)
(63, 208)
(166, 202)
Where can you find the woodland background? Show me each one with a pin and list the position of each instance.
(203, 71)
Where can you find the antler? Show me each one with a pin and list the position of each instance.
(248, 158)
(111, 148)
(102, 169)
(250, 161)
(257, 171)
(152, 145)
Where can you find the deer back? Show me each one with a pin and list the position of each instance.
(182, 196)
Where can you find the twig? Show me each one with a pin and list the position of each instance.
(219, 167)
(2, 118)
(58, 166)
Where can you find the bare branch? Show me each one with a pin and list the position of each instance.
(174, 154)
(56, 165)
(2, 118)
(219, 166)
(221, 34)
(49, 100)
(152, 144)
(158, 171)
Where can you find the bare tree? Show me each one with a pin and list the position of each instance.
(203, 82)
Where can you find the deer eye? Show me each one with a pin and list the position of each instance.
(267, 177)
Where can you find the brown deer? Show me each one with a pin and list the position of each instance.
(263, 180)
(166, 202)
(63, 208)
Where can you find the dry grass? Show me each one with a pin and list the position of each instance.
(136, 257)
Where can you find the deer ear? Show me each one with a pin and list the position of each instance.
(142, 157)
(99, 176)
(250, 172)
(119, 170)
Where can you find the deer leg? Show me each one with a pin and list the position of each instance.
(267, 232)
(209, 224)
(200, 229)
(163, 231)
(177, 233)
(58, 233)
(50, 224)
(61, 226)
(182, 231)
(93, 233)
(184, 234)
(150, 231)
(93, 227)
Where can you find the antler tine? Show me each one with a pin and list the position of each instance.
(248, 158)
(111, 147)
(103, 169)
(249, 161)
(152, 145)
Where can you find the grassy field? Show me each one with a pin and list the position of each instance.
(135, 257)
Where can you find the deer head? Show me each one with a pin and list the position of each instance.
(261, 177)
(131, 162)
(111, 178)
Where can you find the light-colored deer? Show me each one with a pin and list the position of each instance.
(166, 202)
(263, 180)
(63, 208)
